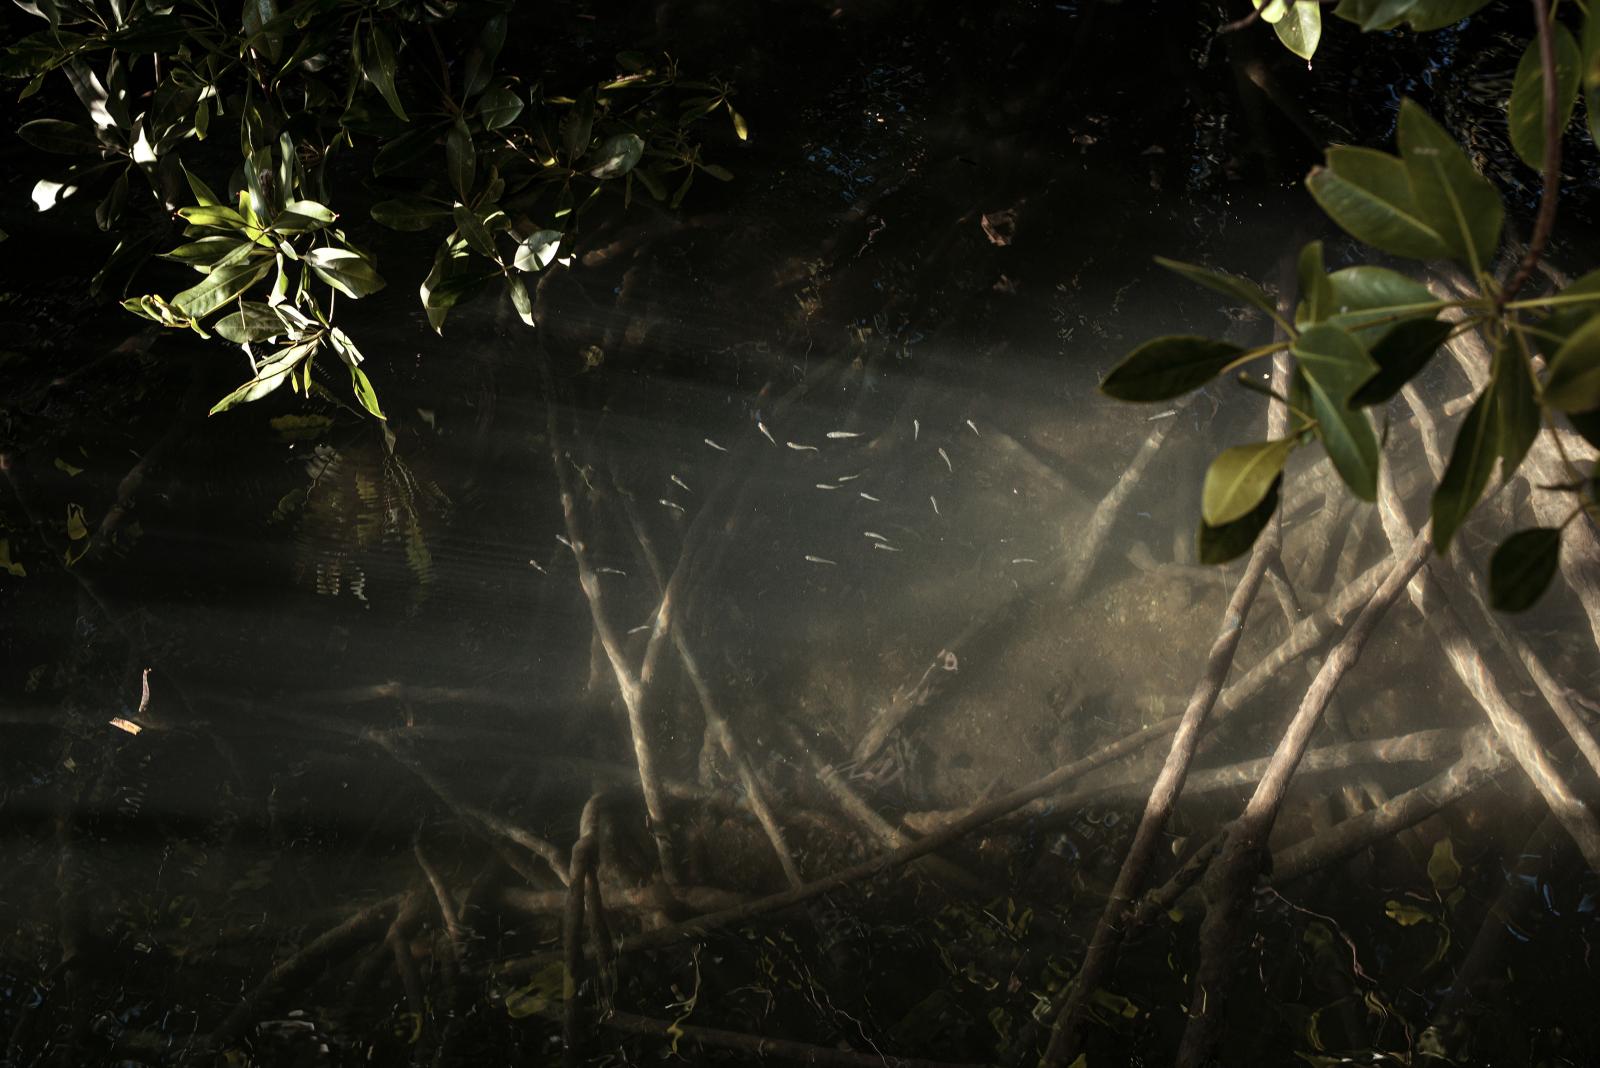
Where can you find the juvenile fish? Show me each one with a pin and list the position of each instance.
(766, 433)
(714, 445)
(824, 485)
(935, 502)
(800, 448)
(843, 434)
(821, 560)
(973, 427)
(848, 478)
(874, 535)
(681, 483)
(885, 547)
(870, 497)
(1024, 560)
(916, 429)
(673, 504)
(610, 571)
(946, 458)
(562, 538)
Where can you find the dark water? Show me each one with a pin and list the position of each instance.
(851, 394)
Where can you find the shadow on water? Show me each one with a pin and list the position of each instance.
(844, 409)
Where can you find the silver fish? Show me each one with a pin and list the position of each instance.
(562, 538)
(800, 448)
(885, 547)
(714, 445)
(610, 571)
(824, 485)
(916, 430)
(681, 483)
(946, 458)
(1024, 560)
(843, 434)
(765, 432)
(973, 427)
(935, 502)
(874, 535)
(673, 504)
(538, 567)
(870, 497)
(848, 478)
(821, 560)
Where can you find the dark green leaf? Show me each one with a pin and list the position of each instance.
(499, 107)
(253, 321)
(380, 70)
(302, 216)
(349, 272)
(1516, 412)
(578, 124)
(1591, 73)
(461, 158)
(1368, 193)
(480, 61)
(1347, 436)
(1587, 425)
(409, 213)
(616, 155)
(1526, 112)
(1241, 289)
(474, 233)
(1218, 545)
(717, 171)
(1368, 301)
(1455, 200)
(1471, 463)
(1573, 381)
(405, 149)
(1334, 361)
(223, 285)
(1239, 478)
(60, 136)
(1423, 15)
(1168, 367)
(1401, 355)
(1522, 567)
(1301, 29)
(203, 195)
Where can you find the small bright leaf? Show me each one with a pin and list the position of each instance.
(616, 155)
(364, 391)
(1218, 545)
(1444, 871)
(537, 250)
(499, 107)
(1240, 478)
(1168, 367)
(1301, 29)
(1522, 567)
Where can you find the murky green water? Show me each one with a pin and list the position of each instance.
(851, 397)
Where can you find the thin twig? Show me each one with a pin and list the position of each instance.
(1544, 223)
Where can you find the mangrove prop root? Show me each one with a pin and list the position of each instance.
(1072, 568)
(1230, 881)
(780, 1049)
(1469, 666)
(1103, 944)
(583, 853)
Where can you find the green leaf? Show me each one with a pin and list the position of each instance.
(1168, 367)
(1301, 29)
(1516, 412)
(405, 149)
(1591, 73)
(202, 192)
(59, 136)
(1423, 15)
(1401, 354)
(1240, 289)
(302, 216)
(215, 215)
(1333, 360)
(1522, 567)
(616, 155)
(741, 129)
(1368, 193)
(461, 158)
(1587, 426)
(409, 213)
(1462, 205)
(537, 250)
(271, 373)
(1368, 301)
(520, 299)
(474, 232)
(364, 391)
(1239, 478)
(480, 61)
(223, 285)
(1573, 381)
(349, 272)
(380, 71)
(206, 251)
(578, 124)
(1272, 10)
(1472, 461)
(1526, 112)
(446, 284)
(253, 321)
(1316, 295)
(1218, 545)
(499, 107)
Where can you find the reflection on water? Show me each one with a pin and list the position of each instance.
(846, 416)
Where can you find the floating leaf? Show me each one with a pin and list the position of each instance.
(77, 529)
(1168, 367)
(1401, 354)
(617, 155)
(1241, 289)
(1444, 871)
(1368, 193)
(1240, 478)
(349, 272)
(1573, 381)
(8, 565)
(1218, 545)
(1522, 567)
(1526, 112)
